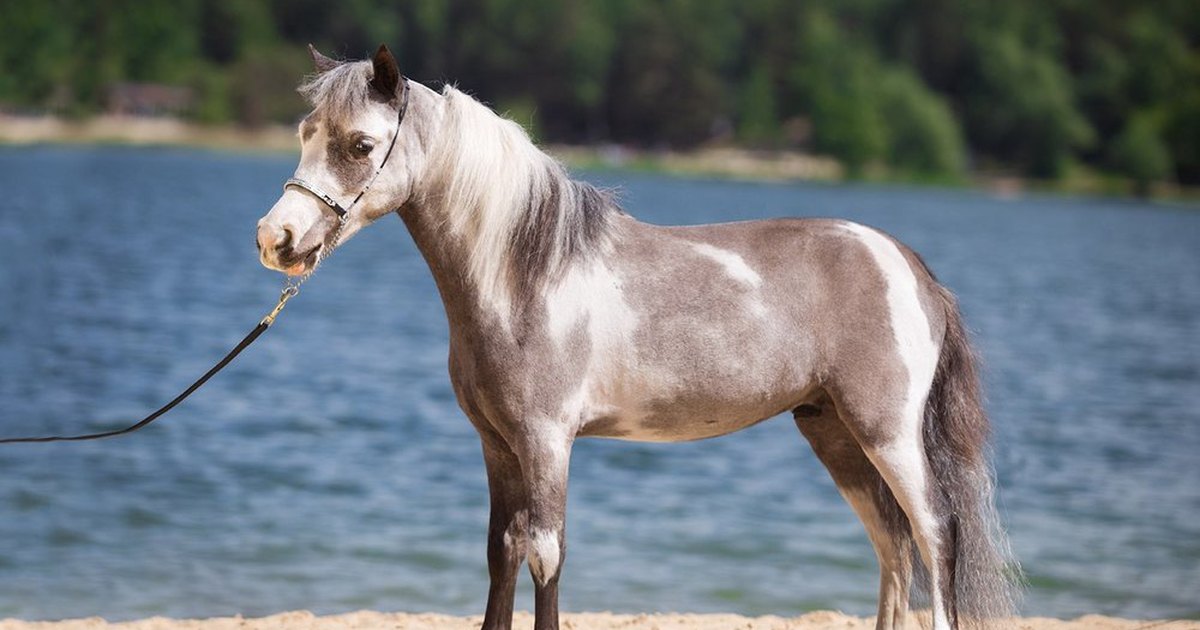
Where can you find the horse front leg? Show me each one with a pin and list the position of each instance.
(507, 530)
(545, 461)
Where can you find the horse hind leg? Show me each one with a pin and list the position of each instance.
(904, 467)
(892, 439)
(869, 496)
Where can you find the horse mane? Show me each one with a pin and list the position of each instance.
(521, 216)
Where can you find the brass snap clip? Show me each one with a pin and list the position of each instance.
(288, 293)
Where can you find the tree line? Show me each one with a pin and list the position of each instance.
(927, 87)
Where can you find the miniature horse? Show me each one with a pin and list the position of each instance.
(569, 318)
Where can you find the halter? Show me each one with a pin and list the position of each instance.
(291, 284)
(329, 199)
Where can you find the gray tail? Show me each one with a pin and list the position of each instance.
(986, 578)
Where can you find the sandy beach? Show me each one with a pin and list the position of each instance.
(824, 620)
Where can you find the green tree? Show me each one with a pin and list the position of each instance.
(1022, 106)
(1027, 86)
(839, 87)
(667, 83)
(758, 122)
(152, 40)
(1139, 151)
(922, 133)
(262, 86)
(1182, 132)
(35, 51)
(231, 29)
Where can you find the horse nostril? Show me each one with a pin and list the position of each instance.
(286, 242)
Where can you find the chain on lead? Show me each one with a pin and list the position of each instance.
(291, 284)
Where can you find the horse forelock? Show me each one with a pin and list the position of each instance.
(341, 99)
(520, 216)
(341, 92)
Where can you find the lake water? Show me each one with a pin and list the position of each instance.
(330, 469)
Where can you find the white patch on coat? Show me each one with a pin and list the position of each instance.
(735, 267)
(608, 397)
(578, 407)
(297, 212)
(593, 292)
(376, 123)
(733, 263)
(910, 326)
(903, 465)
(902, 461)
(614, 386)
(544, 554)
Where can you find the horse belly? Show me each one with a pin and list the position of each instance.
(677, 415)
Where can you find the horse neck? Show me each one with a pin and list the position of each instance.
(446, 258)
(497, 219)
(474, 308)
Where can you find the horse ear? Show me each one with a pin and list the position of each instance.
(321, 62)
(387, 72)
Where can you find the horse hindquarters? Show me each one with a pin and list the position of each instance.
(880, 449)
(883, 363)
(932, 455)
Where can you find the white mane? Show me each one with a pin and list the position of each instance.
(515, 207)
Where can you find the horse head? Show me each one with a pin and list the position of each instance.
(356, 161)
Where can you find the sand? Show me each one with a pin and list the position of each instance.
(303, 620)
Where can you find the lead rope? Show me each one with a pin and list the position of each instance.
(263, 325)
(291, 288)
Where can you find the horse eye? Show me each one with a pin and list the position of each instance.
(363, 146)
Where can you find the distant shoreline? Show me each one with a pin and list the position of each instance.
(144, 131)
(363, 620)
(721, 162)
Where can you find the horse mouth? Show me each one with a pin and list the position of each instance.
(302, 263)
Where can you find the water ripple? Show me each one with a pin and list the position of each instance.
(330, 469)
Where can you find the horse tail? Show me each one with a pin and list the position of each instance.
(985, 576)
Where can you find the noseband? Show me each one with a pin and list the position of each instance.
(344, 212)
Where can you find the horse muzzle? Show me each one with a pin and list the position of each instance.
(279, 250)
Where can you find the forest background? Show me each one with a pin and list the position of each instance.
(906, 89)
